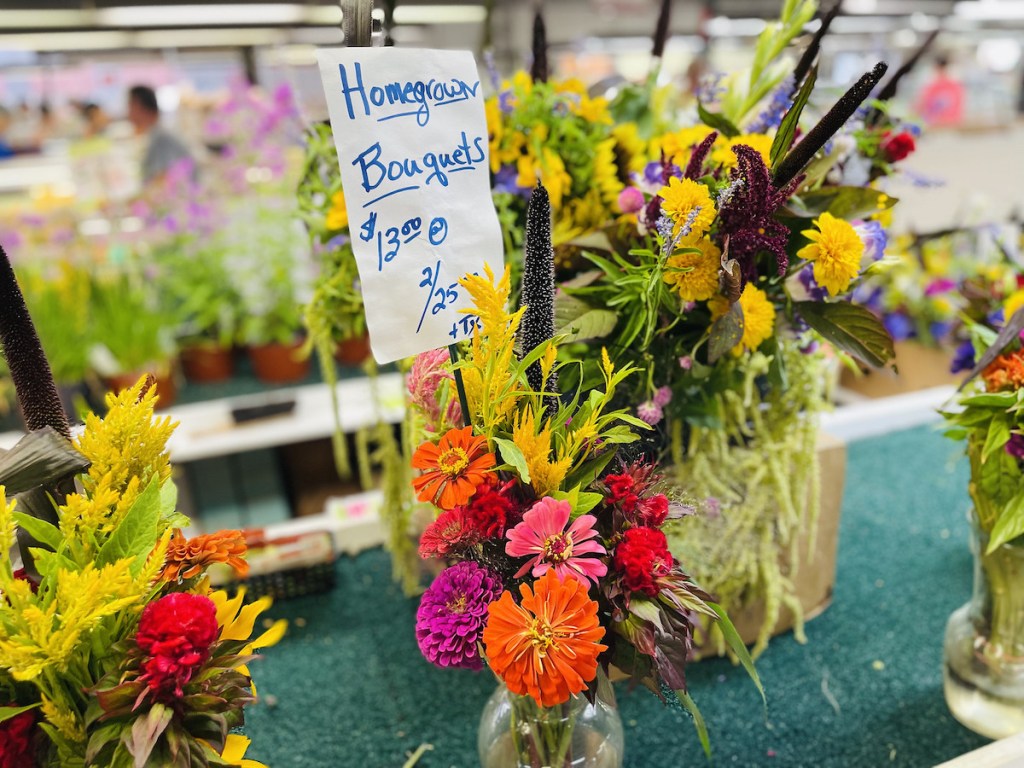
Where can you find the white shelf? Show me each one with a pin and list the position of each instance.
(206, 430)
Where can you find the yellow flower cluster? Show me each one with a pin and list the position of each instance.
(688, 204)
(127, 450)
(758, 317)
(836, 251)
(546, 473)
(337, 215)
(693, 271)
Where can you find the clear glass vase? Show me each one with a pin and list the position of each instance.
(515, 732)
(983, 674)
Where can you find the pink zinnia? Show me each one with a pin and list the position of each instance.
(543, 537)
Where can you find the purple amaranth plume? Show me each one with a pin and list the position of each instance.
(700, 154)
(748, 214)
(539, 65)
(800, 155)
(538, 287)
(30, 370)
(811, 53)
(661, 29)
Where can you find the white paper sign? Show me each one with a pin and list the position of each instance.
(412, 143)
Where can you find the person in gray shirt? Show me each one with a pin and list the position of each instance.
(164, 149)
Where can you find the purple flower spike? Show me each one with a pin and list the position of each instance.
(452, 614)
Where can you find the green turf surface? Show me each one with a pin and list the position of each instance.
(351, 689)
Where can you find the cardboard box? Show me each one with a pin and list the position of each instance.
(917, 367)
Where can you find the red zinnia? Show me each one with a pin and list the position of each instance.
(642, 557)
(451, 531)
(176, 632)
(16, 741)
(897, 147)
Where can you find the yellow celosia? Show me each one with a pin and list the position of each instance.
(65, 721)
(41, 634)
(490, 387)
(546, 475)
(7, 535)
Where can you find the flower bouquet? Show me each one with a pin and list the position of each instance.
(984, 641)
(113, 649)
(557, 567)
(737, 257)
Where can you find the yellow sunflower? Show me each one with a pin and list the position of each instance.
(694, 274)
(836, 251)
(687, 202)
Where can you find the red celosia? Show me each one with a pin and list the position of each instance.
(488, 511)
(176, 633)
(642, 557)
(621, 491)
(898, 146)
(16, 741)
(452, 531)
(652, 511)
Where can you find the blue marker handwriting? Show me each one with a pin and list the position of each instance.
(423, 96)
(435, 166)
(395, 237)
(438, 296)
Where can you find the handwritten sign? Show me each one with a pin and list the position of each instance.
(412, 143)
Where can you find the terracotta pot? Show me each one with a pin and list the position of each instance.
(207, 363)
(353, 351)
(279, 363)
(166, 388)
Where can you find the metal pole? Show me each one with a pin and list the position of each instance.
(357, 22)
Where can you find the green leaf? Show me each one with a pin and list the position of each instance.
(726, 333)
(991, 399)
(40, 530)
(720, 123)
(850, 328)
(146, 731)
(6, 713)
(787, 128)
(168, 500)
(842, 202)
(698, 720)
(39, 458)
(594, 324)
(647, 610)
(511, 454)
(137, 532)
(736, 645)
(1009, 525)
(996, 438)
(1000, 477)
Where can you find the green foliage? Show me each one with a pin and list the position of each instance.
(135, 534)
(850, 328)
(787, 128)
(131, 330)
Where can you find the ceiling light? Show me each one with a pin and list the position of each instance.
(45, 19)
(206, 38)
(67, 41)
(205, 15)
(990, 10)
(440, 14)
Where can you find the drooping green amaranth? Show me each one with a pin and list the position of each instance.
(538, 286)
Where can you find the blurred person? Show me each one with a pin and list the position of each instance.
(163, 149)
(96, 119)
(941, 101)
(5, 123)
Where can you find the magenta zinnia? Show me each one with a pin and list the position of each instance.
(452, 615)
(543, 537)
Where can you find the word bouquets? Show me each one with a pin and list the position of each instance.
(412, 147)
(435, 166)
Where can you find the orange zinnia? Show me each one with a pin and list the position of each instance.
(1006, 372)
(453, 469)
(188, 557)
(548, 645)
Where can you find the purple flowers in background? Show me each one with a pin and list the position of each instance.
(939, 286)
(814, 291)
(650, 412)
(899, 326)
(963, 358)
(505, 180)
(710, 88)
(774, 111)
(631, 200)
(452, 614)
(873, 235)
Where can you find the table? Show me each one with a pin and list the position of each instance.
(349, 687)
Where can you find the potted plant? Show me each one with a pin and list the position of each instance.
(197, 287)
(268, 262)
(132, 333)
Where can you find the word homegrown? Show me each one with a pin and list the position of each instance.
(424, 95)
